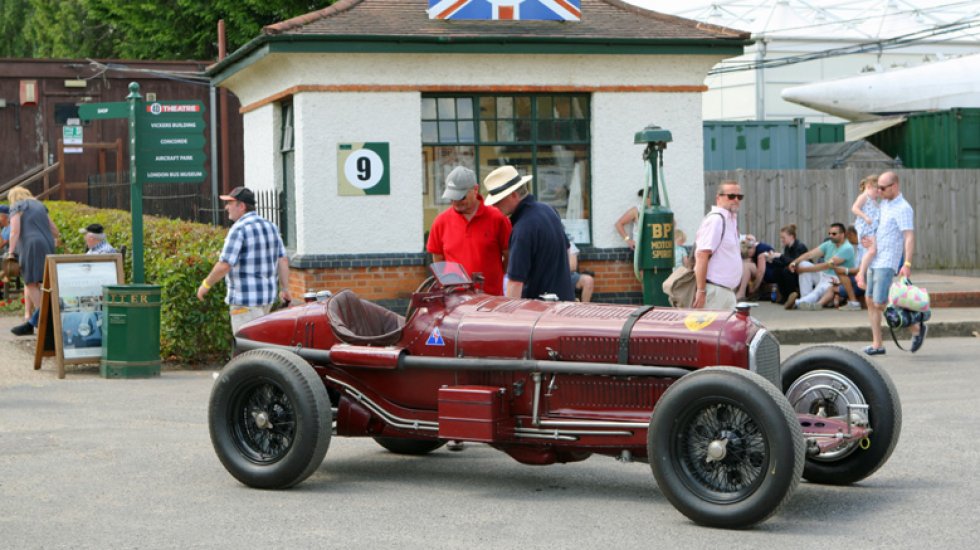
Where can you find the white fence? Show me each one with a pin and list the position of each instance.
(946, 203)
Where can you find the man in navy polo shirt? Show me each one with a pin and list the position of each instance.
(538, 246)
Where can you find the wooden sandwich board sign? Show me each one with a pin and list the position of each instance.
(71, 320)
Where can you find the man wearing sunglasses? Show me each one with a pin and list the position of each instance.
(894, 240)
(817, 278)
(717, 257)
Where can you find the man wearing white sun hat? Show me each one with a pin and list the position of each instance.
(538, 262)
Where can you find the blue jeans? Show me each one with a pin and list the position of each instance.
(878, 282)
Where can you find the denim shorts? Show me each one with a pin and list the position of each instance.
(878, 282)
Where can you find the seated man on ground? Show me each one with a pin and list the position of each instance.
(756, 266)
(583, 281)
(816, 279)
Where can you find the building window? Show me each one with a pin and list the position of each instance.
(543, 135)
(287, 203)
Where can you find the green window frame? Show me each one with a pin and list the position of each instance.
(544, 135)
(287, 152)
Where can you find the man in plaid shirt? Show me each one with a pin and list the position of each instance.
(252, 259)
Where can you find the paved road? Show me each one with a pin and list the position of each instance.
(93, 463)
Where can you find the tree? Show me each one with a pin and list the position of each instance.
(144, 29)
(13, 17)
(66, 29)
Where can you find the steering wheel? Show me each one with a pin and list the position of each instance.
(428, 284)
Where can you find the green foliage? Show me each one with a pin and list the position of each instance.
(178, 255)
(123, 29)
(13, 17)
(65, 29)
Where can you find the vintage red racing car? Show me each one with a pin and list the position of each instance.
(701, 396)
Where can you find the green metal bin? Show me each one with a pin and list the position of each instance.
(131, 339)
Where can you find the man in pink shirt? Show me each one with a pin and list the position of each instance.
(718, 259)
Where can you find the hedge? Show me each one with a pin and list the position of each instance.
(177, 256)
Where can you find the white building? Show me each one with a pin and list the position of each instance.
(366, 86)
(786, 31)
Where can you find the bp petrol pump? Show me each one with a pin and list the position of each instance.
(654, 255)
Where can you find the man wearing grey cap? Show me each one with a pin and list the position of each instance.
(95, 240)
(469, 232)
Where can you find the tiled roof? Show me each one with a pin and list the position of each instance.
(601, 19)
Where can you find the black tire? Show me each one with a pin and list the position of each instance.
(751, 429)
(861, 382)
(402, 446)
(270, 419)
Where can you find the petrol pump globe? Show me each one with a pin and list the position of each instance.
(654, 256)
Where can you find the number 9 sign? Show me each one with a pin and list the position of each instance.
(362, 169)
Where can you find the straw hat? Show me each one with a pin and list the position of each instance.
(502, 182)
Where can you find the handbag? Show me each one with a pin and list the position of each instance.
(680, 287)
(903, 294)
(10, 267)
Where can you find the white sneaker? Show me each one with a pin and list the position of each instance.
(850, 306)
(808, 306)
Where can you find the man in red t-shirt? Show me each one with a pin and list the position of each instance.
(470, 233)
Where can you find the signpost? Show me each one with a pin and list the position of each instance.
(166, 145)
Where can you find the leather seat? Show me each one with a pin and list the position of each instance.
(360, 322)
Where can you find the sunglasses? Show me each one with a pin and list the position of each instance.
(732, 196)
(832, 233)
(883, 187)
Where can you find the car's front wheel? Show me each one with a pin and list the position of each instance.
(270, 419)
(835, 382)
(725, 447)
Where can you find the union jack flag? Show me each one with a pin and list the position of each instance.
(553, 10)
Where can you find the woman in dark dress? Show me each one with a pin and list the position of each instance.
(786, 280)
(32, 238)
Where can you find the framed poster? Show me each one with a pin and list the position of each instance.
(71, 307)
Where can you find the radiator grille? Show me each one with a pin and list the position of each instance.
(595, 311)
(764, 357)
(637, 393)
(588, 348)
(663, 351)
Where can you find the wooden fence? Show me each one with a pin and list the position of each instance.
(946, 204)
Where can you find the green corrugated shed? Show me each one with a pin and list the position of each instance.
(754, 145)
(824, 132)
(939, 139)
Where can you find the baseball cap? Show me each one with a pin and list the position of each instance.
(240, 193)
(4, 209)
(458, 183)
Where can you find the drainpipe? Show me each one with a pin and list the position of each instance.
(760, 81)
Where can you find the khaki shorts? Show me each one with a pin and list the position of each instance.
(243, 314)
(719, 297)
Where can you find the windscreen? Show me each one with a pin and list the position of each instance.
(450, 273)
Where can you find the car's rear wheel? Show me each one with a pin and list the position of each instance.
(401, 446)
(270, 419)
(824, 380)
(725, 447)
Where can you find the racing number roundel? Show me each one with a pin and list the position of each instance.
(363, 169)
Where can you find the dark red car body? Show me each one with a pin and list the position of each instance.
(544, 382)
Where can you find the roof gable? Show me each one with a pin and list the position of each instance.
(600, 19)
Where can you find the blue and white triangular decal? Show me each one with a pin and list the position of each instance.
(435, 338)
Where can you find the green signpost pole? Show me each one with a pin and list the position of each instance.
(135, 184)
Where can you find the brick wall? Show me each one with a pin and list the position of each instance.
(390, 279)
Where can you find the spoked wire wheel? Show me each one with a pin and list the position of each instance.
(725, 447)
(264, 423)
(723, 452)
